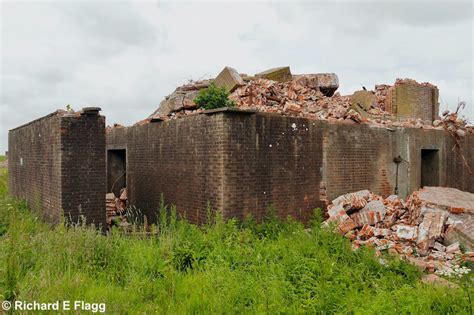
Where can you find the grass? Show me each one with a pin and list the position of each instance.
(2, 158)
(275, 267)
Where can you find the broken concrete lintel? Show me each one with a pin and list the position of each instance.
(280, 74)
(229, 110)
(328, 83)
(366, 99)
(229, 78)
(90, 111)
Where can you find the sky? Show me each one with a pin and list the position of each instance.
(125, 57)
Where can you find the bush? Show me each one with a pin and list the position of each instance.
(213, 97)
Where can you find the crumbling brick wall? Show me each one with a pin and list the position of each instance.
(236, 162)
(409, 99)
(243, 163)
(57, 165)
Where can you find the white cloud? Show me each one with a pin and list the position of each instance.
(126, 56)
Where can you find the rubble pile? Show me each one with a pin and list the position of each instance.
(299, 98)
(310, 96)
(181, 100)
(429, 229)
(454, 124)
(380, 93)
(411, 81)
(116, 208)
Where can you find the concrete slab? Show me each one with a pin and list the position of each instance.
(281, 74)
(366, 99)
(229, 78)
(450, 199)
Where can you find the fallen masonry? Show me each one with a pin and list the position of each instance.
(433, 228)
(115, 208)
(314, 96)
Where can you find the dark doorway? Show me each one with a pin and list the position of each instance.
(429, 167)
(116, 171)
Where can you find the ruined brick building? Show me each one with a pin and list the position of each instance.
(239, 160)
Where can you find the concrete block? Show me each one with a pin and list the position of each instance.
(229, 78)
(328, 83)
(461, 232)
(430, 229)
(281, 74)
(449, 199)
(409, 99)
(366, 99)
(407, 232)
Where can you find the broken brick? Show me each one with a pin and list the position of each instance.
(407, 232)
(293, 107)
(418, 230)
(372, 213)
(430, 229)
(453, 248)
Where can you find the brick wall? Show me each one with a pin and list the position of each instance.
(237, 162)
(358, 157)
(181, 159)
(34, 165)
(272, 160)
(83, 173)
(57, 164)
(242, 163)
(460, 164)
(413, 100)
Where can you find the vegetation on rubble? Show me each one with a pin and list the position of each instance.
(217, 268)
(213, 97)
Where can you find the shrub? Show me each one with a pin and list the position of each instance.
(213, 97)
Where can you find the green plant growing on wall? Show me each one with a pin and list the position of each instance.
(213, 97)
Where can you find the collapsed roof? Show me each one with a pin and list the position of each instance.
(406, 103)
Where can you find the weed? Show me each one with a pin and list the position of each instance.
(278, 266)
(213, 97)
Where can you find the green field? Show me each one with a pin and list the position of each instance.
(2, 158)
(219, 268)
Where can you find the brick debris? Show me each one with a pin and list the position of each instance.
(431, 229)
(313, 96)
(116, 208)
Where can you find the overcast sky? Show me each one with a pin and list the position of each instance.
(126, 56)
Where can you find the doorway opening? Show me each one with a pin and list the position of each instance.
(429, 167)
(116, 171)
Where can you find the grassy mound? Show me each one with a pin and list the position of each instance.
(275, 267)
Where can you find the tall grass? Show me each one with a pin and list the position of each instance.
(222, 267)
